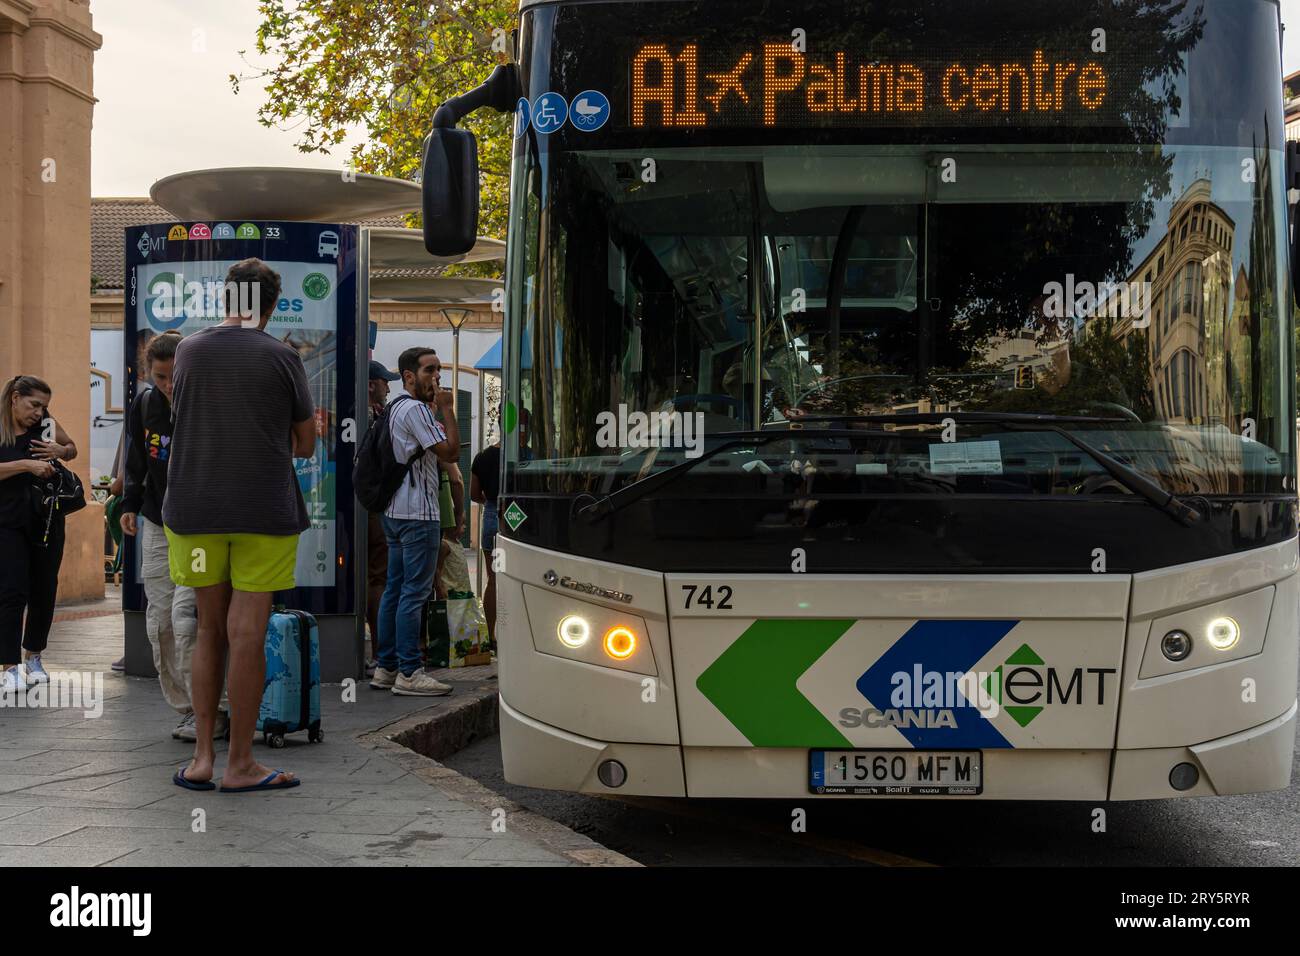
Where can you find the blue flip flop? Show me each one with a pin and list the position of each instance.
(265, 784)
(181, 781)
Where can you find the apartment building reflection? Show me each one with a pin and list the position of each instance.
(1195, 315)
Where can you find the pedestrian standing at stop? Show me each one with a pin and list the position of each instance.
(484, 485)
(170, 619)
(242, 411)
(376, 546)
(29, 557)
(411, 523)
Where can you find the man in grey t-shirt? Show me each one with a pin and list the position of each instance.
(242, 412)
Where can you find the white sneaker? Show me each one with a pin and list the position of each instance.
(12, 681)
(185, 729)
(420, 684)
(383, 678)
(190, 731)
(36, 671)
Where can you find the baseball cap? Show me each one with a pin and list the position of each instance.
(377, 370)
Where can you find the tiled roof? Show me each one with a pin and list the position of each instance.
(109, 216)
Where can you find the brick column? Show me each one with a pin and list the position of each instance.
(47, 50)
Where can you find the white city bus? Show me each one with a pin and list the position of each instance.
(898, 398)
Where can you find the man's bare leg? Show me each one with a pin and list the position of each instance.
(207, 674)
(246, 630)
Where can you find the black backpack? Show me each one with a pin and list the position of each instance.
(376, 473)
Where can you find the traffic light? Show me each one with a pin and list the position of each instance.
(1024, 376)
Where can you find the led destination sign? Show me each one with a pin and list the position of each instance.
(681, 86)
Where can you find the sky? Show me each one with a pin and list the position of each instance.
(165, 100)
(166, 105)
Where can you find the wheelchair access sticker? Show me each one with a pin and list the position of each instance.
(549, 112)
(590, 111)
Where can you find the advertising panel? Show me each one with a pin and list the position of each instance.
(175, 277)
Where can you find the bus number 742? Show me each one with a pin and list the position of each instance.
(705, 598)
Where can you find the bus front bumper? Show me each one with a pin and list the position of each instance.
(537, 755)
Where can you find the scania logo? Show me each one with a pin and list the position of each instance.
(553, 579)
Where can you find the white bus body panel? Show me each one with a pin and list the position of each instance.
(1119, 718)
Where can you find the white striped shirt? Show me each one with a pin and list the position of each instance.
(413, 427)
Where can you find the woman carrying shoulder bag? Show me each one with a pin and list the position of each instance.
(35, 495)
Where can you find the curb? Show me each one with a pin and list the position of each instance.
(447, 728)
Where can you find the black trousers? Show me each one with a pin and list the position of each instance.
(29, 581)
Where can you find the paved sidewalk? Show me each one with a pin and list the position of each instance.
(97, 791)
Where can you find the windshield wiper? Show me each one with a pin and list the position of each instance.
(620, 499)
(1126, 475)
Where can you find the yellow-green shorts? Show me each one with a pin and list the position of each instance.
(250, 562)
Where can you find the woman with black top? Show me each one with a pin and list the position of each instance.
(484, 485)
(29, 564)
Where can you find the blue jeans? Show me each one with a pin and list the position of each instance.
(412, 558)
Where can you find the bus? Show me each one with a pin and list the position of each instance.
(898, 399)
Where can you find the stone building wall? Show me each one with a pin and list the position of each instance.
(47, 50)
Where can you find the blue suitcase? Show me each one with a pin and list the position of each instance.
(291, 694)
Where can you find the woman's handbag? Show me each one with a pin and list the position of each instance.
(59, 495)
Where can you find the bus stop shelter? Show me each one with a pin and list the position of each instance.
(307, 218)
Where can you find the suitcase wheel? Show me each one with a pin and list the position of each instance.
(275, 741)
(316, 736)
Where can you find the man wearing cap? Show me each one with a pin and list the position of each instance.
(377, 548)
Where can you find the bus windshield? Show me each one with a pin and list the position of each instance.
(724, 259)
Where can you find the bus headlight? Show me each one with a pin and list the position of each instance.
(573, 631)
(620, 642)
(1223, 633)
(1192, 638)
(1176, 645)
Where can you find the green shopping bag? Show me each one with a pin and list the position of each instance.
(468, 630)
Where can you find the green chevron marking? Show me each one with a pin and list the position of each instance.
(1023, 715)
(753, 683)
(1025, 655)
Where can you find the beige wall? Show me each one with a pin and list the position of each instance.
(46, 63)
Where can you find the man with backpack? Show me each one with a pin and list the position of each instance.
(397, 470)
(170, 619)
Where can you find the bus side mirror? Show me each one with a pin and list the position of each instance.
(449, 184)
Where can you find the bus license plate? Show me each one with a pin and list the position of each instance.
(949, 773)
